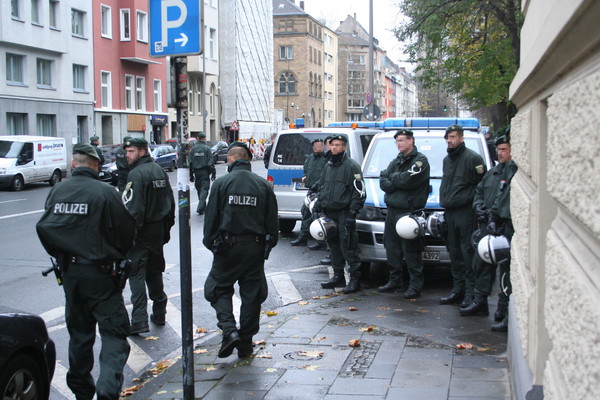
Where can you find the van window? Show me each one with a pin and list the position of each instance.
(293, 148)
(365, 141)
(26, 155)
(9, 149)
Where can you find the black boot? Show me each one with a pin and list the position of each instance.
(299, 242)
(389, 288)
(336, 281)
(229, 343)
(500, 313)
(326, 260)
(318, 245)
(245, 348)
(353, 286)
(452, 298)
(475, 309)
(501, 326)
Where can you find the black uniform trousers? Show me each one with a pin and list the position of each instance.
(341, 253)
(243, 262)
(461, 224)
(399, 251)
(306, 221)
(202, 183)
(93, 297)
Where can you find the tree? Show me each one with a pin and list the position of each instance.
(469, 47)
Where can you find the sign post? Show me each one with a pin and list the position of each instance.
(175, 30)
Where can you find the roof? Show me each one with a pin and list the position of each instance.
(286, 7)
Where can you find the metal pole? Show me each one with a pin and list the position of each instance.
(185, 252)
(371, 75)
(204, 93)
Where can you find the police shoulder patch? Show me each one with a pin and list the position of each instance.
(357, 177)
(480, 170)
(128, 186)
(419, 164)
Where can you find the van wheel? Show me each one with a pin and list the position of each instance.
(287, 225)
(17, 183)
(22, 379)
(55, 178)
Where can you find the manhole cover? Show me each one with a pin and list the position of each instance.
(304, 355)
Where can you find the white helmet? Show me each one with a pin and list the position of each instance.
(494, 249)
(323, 227)
(411, 227)
(310, 200)
(436, 224)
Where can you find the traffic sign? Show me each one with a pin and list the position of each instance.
(368, 98)
(371, 112)
(235, 126)
(176, 27)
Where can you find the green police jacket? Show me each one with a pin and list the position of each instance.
(148, 194)
(501, 206)
(339, 186)
(406, 181)
(84, 217)
(240, 203)
(463, 169)
(313, 166)
(487, 190)
(201, 157)
(121, 160)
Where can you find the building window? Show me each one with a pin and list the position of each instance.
(105, 22)
(286, 53)
(329, 59)
(81, 128)
(125, 26)
(16, 124)
(191, 87)
(53, 14)
(157, 95)
(106, 89)
(140, 93)
(79, 72)
(15, 11)
(14, 68)
(77, 18)
(46, 125)
(44, 73)
(129, 91)
(287, 83)
(212, 40)
(35, 12)
(142, 26)
(199, 96)
(212, 99)
(310, 54)
(362, 60)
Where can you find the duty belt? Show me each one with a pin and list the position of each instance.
(102, 265)
(248, 238)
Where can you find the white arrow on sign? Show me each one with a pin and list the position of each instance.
(183, 39)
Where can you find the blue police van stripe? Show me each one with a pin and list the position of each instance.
(433, 201)
(374, 193)
(283, 177)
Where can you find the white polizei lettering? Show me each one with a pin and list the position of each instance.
(241, 200)
(71, 208)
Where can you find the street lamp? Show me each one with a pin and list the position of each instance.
(295, 108)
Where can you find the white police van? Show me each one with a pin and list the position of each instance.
(290, 150)
(429, 140)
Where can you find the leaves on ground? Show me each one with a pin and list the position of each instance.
(161, 392)
(302, 303)
(201, 330)
(210, 368)
(310, 367)
(271, 313)
(383, 308)
(367, 329)
(398, 309)
(130, 390)
(151, 338)
(260, 342)
(266, 354)
(464, 346)
(161, 366)
(271, 370)
(322, 338)
(423, 310)
(311, 353)
(200, 351)
(381, 316)
(354, 343)
(483, 349)
(352, 309)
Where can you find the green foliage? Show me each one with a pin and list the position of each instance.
(469, 47)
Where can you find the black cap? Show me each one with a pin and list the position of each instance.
(503, 140)
(137, 142)
(339, 137)
(87, 149)
(406, 132)
(241, 144)
(317, 141)
(94, 138)
(454, 128)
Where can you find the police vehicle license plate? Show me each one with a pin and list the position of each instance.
(430, 255)
(301, 186)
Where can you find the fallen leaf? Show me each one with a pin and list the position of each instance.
(464, 346)
(271, 370)
(201, 330)
(200, 351)
(398, 309)
(342, 324)
(352, 309)
(311, 354)
(483, 349)
(302, 303)
(367, 329)
(130, 390)
(423, 310)
(354, 343)
(151, 338)
(264, 355)
(381, 316)
(210, 368)
(161, 392)
(310, 367)
(322, 338)
(271, 313)
(383, 308)
(177, 390)
(427, 335)
(270, 326)
(259, 342)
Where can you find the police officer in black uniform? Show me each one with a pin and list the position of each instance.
(463, 169)
(149, 198)
(313, 166)
(202, 170)
(341, 196)
(240, 228)
(87, 229)
(95, 141)
(122, 165)
(406, 185)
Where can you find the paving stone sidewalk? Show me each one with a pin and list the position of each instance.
(303, 353)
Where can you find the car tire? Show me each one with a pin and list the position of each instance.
(22, 378)
(55, 178)
(287, 225)
(17, 184)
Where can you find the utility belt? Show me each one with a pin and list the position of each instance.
(227, 240)
(104, 266)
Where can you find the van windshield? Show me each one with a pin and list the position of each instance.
(293, 148)
(433, 147)
(10, 149)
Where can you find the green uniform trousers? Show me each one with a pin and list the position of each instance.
(92, 297)
(243, 263)
(306, 221)
(399, 251)
(341, 253)
(461, 224)
(202, 183)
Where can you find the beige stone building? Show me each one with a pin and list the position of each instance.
(330, 75)
(554, 336)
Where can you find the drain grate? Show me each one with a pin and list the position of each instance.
(304, 355)
(362, 359)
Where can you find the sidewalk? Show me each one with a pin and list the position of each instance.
(407, 351)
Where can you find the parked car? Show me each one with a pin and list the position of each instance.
(429, 140)
(219, 150)
(164, 155)
(27, 356)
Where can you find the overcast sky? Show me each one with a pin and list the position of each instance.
(385, 17)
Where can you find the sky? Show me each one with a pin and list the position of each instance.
(386, 16)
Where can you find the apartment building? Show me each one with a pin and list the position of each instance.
(330, 75)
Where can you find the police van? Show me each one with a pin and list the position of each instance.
(429, 140)
(290, 150)
(27, 159)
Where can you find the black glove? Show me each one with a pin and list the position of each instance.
(213, 176)
(481, 213)
(494, 227)
(192, 177)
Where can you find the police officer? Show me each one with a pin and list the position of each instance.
(313, 166)
(202, 170)
(240, 228)
(463, 169)
(489, 141)
(149, 198)
(406, 185)
(327, 156)
(122, 165)
(95, 142)
(341, 196)
(86, 228)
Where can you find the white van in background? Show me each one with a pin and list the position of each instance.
(27, 159)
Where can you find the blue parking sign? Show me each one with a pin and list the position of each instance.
(175, 27)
